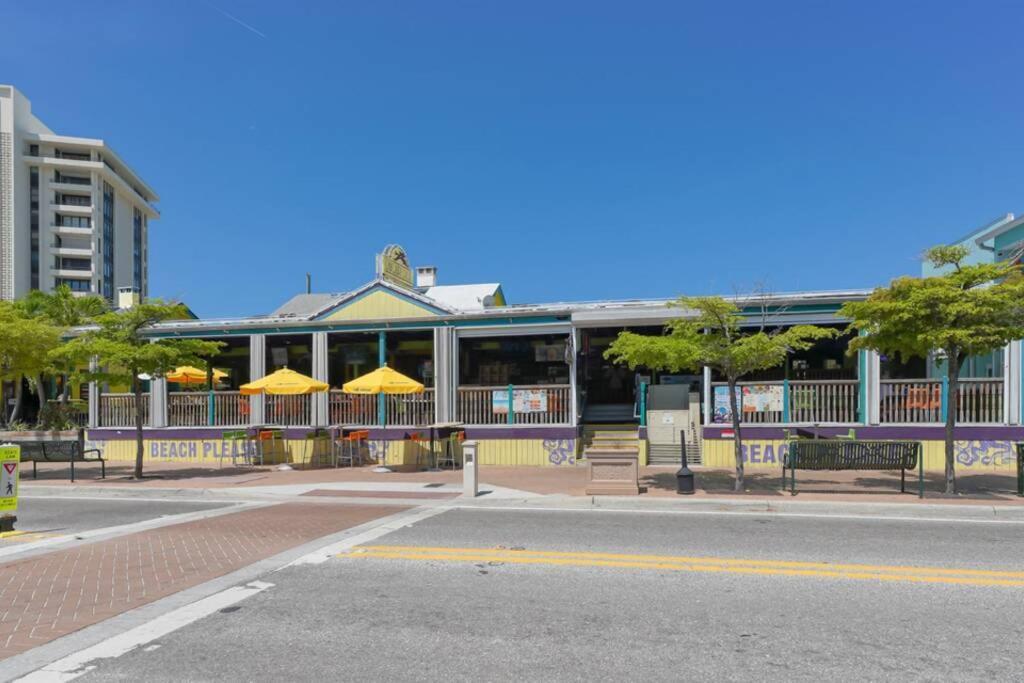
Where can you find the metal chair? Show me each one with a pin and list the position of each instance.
(239, 440)
(267, 440)
(349, 448)
(451, 453)
(421, 443)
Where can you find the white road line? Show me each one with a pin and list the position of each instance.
(742, 513)
(392, 523)
(80, 663)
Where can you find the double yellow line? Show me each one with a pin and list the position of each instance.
(869, 572)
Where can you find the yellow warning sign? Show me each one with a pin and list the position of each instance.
(10, 463)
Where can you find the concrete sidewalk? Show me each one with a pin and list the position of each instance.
(658, 482)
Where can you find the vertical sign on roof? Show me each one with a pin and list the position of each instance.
(393, 266)
(9, 465)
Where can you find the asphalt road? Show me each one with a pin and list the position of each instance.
(66, 515)
(545, 608)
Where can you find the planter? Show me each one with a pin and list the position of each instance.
(613, 472)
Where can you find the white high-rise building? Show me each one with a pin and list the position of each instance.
(71, 210)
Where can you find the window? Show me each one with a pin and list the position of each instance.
(108, 241)
(34, 222)
(74, 221)
(137, 237)
(66, 263)
(75, 285)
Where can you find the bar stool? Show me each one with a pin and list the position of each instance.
(239, 440)
(452, 453)
(267, 440)
(349, 448)
(421, 443)
(319, 437)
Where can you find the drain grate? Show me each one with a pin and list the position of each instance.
(433, 486)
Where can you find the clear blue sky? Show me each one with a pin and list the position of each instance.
(568, 150)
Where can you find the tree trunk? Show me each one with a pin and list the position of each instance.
(137, 390)
(41, 395)
(65, 390)
(952, 403)
(737, 436)
(16, 411)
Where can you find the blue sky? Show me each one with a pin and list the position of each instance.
(568, 150)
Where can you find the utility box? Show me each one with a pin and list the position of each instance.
(671, 409)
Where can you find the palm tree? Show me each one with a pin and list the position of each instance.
(63, 309)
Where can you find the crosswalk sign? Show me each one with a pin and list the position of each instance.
(10, 463)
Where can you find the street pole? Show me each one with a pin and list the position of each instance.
(684, 477)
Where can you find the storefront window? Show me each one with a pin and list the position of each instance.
(350, 356)
(499, 361)
(292, 351)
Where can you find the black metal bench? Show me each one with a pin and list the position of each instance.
(846, 454)
(59, 450)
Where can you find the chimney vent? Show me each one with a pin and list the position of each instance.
(426, 276)
(127, 297)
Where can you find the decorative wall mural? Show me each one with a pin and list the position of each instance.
(560, 451)
(985, 453)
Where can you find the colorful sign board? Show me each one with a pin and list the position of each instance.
(523, 401)
(10, 463)
(762, 398)
(393, 266)
(755, 398)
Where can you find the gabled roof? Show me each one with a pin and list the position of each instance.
(380, 285)
(467, 297)
(307, 305)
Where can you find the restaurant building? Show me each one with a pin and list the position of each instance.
(531, 384)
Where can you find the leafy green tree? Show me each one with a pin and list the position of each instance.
(710, 333)
(66, 310)
(25, 345)
(968, 310)
(123, 351)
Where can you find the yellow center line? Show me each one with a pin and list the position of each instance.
(676, 559)
(935, 575)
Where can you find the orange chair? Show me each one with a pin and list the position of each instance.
(349, 448)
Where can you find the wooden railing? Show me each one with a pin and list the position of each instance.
(830, 401)
(288, 411)
(919, 401)
(192, 409)
(910, 401)
(410, 409)
(351, 409)
(809, 401)
(531, 405)
(118, 410)
(981, 401)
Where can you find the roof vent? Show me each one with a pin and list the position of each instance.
(426, 276)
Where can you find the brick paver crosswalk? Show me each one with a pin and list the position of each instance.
(50, 595)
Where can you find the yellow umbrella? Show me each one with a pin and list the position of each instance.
(383, 381)
(284, 382)
(186, 374)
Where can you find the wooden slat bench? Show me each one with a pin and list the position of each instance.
(846, 454)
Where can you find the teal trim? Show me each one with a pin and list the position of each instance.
(1020, 394)
(805, 308)
(511, 404)
(643, 404)
(380, 288)
(211, 410)
(945, 397)
(365, 327)
(862, 387)
(785, 401)
(382, 359)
